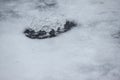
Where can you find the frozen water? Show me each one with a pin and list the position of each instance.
(88, 52)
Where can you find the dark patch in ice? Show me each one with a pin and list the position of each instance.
(8, 13)
(117, 35)
(42, 34)
(102, 69)
(97, 2)
(0, 16)
(46, 4)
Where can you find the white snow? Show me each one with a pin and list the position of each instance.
(87, 52)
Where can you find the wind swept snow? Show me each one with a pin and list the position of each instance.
(91, 51)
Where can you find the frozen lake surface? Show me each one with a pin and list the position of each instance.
(91, 51)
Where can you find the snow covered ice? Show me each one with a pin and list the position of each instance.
(90, 51)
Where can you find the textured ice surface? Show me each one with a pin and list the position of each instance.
(87, 52)
(43, 31)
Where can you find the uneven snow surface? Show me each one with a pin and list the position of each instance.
(91, 51)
